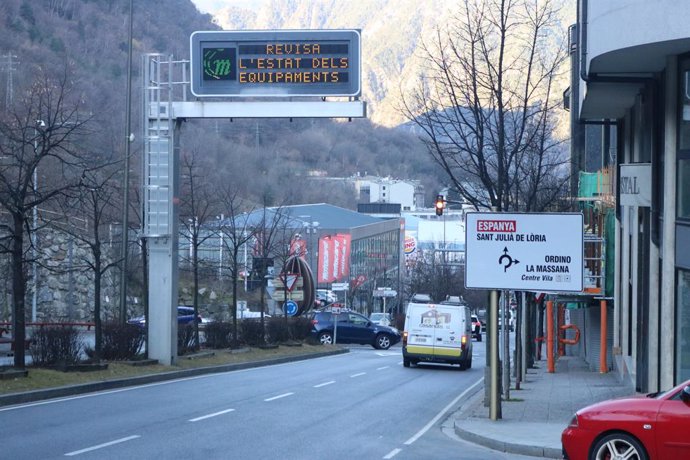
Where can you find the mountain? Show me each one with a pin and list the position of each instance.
(393, 33)
(262, 158)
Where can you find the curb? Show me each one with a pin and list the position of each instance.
(508, 447)
(495, 444)
(59, 392)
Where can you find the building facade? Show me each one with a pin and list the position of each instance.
(339, 245)
(635, 88)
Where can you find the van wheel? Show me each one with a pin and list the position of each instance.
(406, 362)
(326, 338)
(382, 342)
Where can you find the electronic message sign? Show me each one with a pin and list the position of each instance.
(276, 63)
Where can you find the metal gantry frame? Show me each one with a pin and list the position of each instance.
(166, 86)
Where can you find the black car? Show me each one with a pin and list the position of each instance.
(351, 328)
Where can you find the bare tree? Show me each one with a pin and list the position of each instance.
(198, 208)
(236, 233)
(39, 130)
(88, 215)
(486, 109)
(269, 236)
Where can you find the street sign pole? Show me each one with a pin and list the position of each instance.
(335, 328)
(495, 401)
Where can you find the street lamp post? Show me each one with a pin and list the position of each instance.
(220, 249)
(310, 228)
(34, 236)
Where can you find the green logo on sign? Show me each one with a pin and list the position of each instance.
(219, 63)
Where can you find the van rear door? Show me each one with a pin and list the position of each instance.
(450, 327)
(421, 332)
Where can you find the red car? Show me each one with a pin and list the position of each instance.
(656, 426)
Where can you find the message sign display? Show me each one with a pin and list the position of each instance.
(531, 252)
(275, 63)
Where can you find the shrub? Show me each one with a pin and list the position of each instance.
(300, 328)
(51, 345)
(251, 332)
(276, 329)
(185, 338)
(119, 342)
(297, 329)
(218, 334)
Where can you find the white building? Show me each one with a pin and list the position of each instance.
(409, 194)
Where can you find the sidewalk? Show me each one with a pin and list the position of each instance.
(536, 415)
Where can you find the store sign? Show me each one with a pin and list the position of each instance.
(275, 63)
(334, 258)
(529, 252)
(635, 185)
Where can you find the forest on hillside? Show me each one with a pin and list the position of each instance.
(273, 159)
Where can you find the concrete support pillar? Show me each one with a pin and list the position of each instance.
(668, 248)
(653, 342)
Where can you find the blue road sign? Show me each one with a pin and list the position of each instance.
(290, 308)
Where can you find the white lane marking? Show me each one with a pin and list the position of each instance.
(324, 384)
(440, 414)
(357, 375)
(100, 446)
(166, 382)
(382, 368)
(203, 417)
(284, 395)
(392, 453)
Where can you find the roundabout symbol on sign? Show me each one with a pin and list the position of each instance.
(290, 308)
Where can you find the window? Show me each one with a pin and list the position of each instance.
(684, 122)
(683, 326)
(683, 188)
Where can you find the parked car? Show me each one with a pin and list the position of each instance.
(351, 328)
(654, 426)
(476, 328)
(383, 319)
(185, 315)
(326, 296)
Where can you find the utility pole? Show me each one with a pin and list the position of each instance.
(8, 65)
(129, 137)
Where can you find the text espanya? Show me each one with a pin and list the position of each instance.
(289, 77)
(293, 63)
(496, 226)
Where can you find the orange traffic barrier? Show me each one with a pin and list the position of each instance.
(572, 341)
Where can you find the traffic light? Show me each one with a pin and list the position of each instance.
(439, 205)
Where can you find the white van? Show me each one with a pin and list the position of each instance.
(440, 333)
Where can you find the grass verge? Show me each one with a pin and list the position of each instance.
(40, 378)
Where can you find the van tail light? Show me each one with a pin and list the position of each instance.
(463, 340)
(404, 338)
